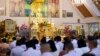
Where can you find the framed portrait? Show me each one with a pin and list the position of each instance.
(53, 8)
(69, 14)
(16, 8)
(34, 8)
(64, 13)
(61, 32)
(2, 7)
(25, 8)
(9, 26)
(93, 27)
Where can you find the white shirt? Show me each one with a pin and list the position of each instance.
(78, 51)
(98, 41)
(37, 46)
(59, 45)
(31, 52)
(72, 53)
(98, 47)
(17, 51)
(24, 47)
(96, 51)
(74, 42)
(84, 49)
(13, 44)
(56, 53)
(47, 54)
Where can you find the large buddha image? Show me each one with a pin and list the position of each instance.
(25, 8)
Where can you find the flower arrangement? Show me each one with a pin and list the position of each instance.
(43, 24)
(66, 30)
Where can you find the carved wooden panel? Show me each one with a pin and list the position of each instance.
(84, 11)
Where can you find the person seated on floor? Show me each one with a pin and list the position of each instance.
(31, 50)
(45, 50)
(98, 40)
(18, 50)
(58, 43)
(53, 48)
(4, 47)
(70, 50)
(34, 39)
(43, 40)
(65, 41)
(74, 41)
(88, 54)
(82, 45)
(23, 41)
(13, 43)
(92, 44)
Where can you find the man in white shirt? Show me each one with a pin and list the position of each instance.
(58, 43)
(18, 50)
(79, 51)
(45, 50)
(82, 45)
(13, 43)
(36, 42)
(23, 41)
(74, 42)
(31, 51)
(98, 43)
(92, 43)
(70, 50)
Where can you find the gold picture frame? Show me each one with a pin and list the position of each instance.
(10, 26)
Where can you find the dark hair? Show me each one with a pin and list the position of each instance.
(57, 38)
(14, 38)
(96, 37)
(43, 40)
(69, 46)
(23, 40)
(81, 43)
(19, 42)
(66, 40)
(81, 37)
(30, 44)
(52, 46)
(88, 54)
(4, 40)
(92, 40)
(73, 37)
(35, 40)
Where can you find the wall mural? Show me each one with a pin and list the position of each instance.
(2, 7)
(45, 8)
(35, 7)
(16, 8)
(53, 8)
(93, 27)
